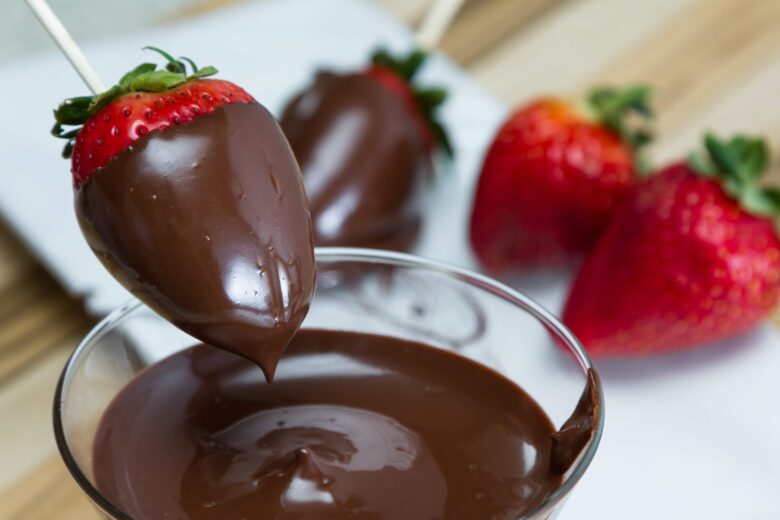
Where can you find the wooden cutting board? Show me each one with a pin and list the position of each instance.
(715, 65)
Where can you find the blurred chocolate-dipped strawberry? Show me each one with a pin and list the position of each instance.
(187, 191)
(365, 143)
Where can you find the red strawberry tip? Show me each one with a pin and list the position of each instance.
(74, 112)
(426, 100)
(739, 164)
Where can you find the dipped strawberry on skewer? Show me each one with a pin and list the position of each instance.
(553, 176)
(365, 142)
(692, 256)
(188, 193)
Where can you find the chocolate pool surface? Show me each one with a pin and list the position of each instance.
(364, 164)
(207, 224)
(354, 427)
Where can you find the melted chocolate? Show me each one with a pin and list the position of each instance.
(578, 429)
(207, 224)
(362, 159)
(354, 427)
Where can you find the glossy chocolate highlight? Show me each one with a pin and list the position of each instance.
(364, 164)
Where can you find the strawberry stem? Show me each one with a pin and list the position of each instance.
(74, 112)
(739, 164)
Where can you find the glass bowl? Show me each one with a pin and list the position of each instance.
(358, 290)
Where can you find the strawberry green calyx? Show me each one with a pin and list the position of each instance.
(74, 112)
(627, 113)
(739, 164)
(406, 67)
(426, 99)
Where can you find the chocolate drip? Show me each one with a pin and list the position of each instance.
(363, 161)
(207, 224)
(577, 431)
(354, 427)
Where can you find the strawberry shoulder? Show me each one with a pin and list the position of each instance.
(116, 126)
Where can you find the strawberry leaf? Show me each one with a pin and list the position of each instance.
(202, 73)
(773, 194)
(627, 113)
(144, 78)
(757, 159)
(58, 131)
(431, 97)
(130, 76)
(105, 98)
(743, 159)
(73, 111)
(614, 107)
(722, 156)
(173, 64)
(191, 63)
(157, 81)
(758, 201)
(702, 165)
(442, 138)
(406, 67)
(739, 163)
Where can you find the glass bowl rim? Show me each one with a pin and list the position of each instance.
(368, 256)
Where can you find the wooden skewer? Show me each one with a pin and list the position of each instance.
(436, 22)
(67, 45)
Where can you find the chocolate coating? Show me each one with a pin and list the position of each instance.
(363, 161)
(207, 224)
(355, 426)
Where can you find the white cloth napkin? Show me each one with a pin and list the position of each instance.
(687, 436)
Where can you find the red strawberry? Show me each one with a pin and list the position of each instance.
(553, 176)
(692, 256)
(144, 100)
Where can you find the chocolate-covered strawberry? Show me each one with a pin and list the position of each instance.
(188, 193)
(365, 142)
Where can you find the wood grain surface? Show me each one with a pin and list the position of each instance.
(715, 64)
